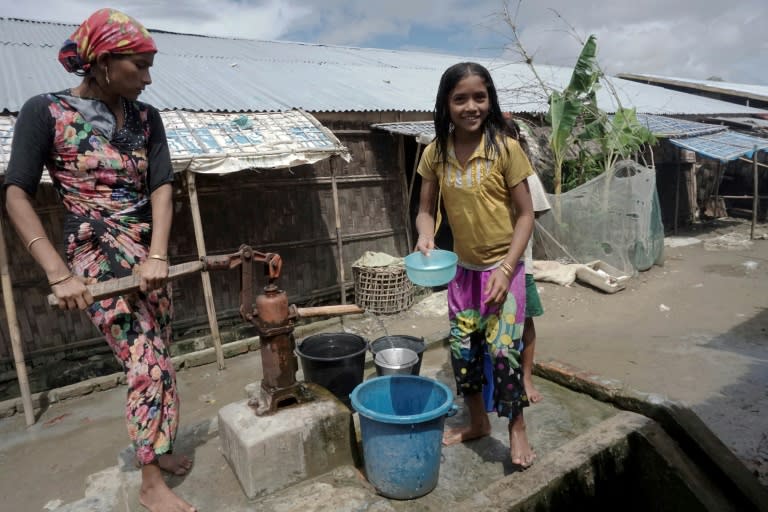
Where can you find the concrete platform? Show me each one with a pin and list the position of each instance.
(591, 453)
(308, 440)
(465, 469)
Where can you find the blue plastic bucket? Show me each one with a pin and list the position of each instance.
(401, 424)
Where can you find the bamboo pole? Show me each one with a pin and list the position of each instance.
(13, 330)
(406, 199)
(718, 178)
(751, 161)
(339, 243)
(677, 189)
(755, 195)
(204, 275)
(413, 176)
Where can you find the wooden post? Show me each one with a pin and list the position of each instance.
(406, 196)
(718, 177)
(413, 176)
(210, 307)
(677, 189)
(339, 242)
(755, 195)
(13, 330)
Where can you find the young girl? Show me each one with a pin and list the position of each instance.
(480, 172)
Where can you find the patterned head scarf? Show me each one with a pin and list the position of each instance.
(105, 31)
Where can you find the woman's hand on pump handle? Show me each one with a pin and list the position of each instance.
(153, 273)
(72, 293)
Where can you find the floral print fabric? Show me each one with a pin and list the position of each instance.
(108, 228)
(498, 330)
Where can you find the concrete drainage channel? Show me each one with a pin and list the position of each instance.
(599, 447)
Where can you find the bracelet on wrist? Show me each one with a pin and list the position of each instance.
(61, 279)
(158, 257)
(36, 239)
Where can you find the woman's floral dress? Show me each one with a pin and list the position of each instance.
(105, 186)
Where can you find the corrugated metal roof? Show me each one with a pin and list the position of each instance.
(737, 89)
(414, 129)
(201, 73)
(660, 126)
(745, 123)
(723, 146)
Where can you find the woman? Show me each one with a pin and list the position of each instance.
(109, 160)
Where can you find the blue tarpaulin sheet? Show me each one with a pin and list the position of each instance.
(723, 146)
(665, 127)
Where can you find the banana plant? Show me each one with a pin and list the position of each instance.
(568, 108)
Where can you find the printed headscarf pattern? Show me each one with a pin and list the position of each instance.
(105, 31)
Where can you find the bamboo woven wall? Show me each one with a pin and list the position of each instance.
(285, 211)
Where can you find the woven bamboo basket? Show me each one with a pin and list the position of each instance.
(383, 290)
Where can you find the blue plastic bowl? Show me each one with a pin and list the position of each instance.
(437, 269)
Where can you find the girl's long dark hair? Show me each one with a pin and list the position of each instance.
(494, 124)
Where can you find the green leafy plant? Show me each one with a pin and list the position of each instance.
(585, 141)
(576, 103)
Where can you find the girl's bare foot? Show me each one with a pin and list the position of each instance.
(466, 433)
(534, 396)
(156, 496)
(479, 426)
(520, 450)
(178, 465)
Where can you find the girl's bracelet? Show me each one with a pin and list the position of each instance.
(158, 257)
(61, 279)
(507, 269)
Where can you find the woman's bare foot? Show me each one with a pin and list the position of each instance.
(534, 396)
(519, 448)
(156, 496)
(178, 465)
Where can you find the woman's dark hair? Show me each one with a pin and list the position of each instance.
(494, 124)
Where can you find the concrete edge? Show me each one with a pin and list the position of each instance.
(546, 475)
(682, 424)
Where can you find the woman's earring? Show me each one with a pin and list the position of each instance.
(106, 74)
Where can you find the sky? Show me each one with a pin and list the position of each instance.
(697, 39)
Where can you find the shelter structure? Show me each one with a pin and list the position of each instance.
(289, 113)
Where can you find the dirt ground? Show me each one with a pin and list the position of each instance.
(694, 330)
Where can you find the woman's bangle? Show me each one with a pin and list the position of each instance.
(507, 269)
(159, 257)
(29, 244)
(61, 280)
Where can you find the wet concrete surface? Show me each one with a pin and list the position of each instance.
(464, 470)
(708, 348)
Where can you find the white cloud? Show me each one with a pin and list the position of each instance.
(689, 38)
